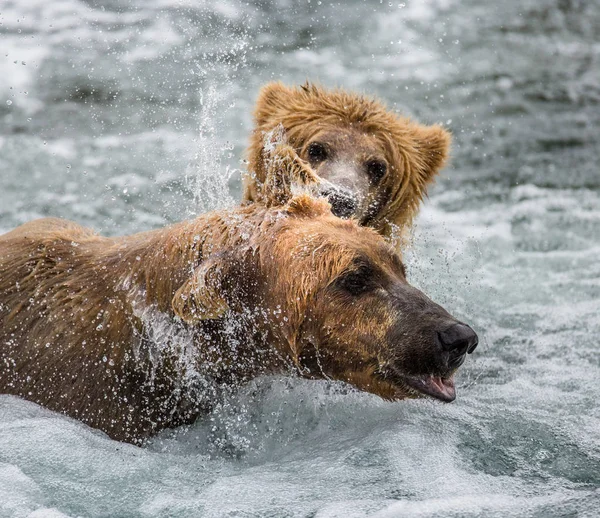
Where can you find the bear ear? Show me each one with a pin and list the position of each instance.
(433, 142)
(306, 206)
(273, 98)
(201, 297)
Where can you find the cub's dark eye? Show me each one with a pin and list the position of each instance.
(317, 152)
(357, 282)
(376, 170)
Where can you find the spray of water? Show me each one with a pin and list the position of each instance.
(207, 177)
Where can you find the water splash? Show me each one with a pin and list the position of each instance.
(205, 176)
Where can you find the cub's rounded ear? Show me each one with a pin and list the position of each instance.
(273, 99)
(202, 296)
(433, 143)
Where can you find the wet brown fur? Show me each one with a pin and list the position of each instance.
(71, 303)
(242, 292)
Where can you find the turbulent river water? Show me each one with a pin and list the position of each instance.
(128, 115)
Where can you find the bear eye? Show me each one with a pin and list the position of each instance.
(317, 152)
(376, 170)
(357, 282)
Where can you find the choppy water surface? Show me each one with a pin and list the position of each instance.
(129, 115)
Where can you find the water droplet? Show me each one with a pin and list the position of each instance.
(9, 102)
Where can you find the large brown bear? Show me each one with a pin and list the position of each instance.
(374, 165)
(134, 334)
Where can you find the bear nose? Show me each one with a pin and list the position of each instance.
(343, 203)
(458, 340)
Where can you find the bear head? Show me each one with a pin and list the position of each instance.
(372, 164)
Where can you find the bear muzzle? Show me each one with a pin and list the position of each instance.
(344, 203)
(434, 363)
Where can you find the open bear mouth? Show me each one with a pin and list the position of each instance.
(437, 387)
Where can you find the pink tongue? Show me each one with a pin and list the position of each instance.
(435, 386)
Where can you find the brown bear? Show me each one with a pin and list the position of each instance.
(135, 334)
(373, 164)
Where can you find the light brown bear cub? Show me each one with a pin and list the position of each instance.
(372, 164)
(137, 333)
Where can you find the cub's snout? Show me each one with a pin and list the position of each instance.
(344, 203)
